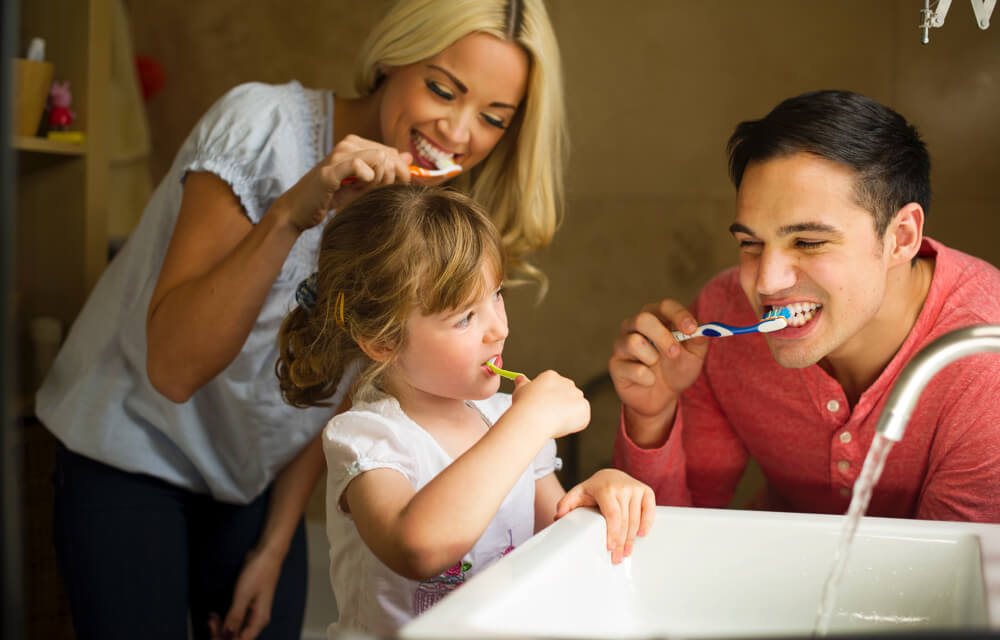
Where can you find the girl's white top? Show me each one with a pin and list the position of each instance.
(235, 433)
(370, 596)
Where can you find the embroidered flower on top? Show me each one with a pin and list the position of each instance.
(429, 592)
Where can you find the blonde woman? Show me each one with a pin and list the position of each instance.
(521, 181)
(433, 474)
(181, 471)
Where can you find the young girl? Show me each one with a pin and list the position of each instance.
(432, 475)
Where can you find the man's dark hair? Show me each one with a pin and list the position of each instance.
(886, 153)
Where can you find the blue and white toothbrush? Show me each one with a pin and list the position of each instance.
(775, 320)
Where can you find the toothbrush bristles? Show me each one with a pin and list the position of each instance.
(778, 312)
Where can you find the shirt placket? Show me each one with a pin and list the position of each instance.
(845, 463)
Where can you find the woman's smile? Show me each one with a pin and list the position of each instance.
(427, 154)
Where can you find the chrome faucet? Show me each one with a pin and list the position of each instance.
(925, 365)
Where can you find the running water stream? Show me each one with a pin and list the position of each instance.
(870, 472)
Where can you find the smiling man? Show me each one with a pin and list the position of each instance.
(832, 192)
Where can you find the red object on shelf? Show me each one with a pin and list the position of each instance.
(151, 76)
(60, 97)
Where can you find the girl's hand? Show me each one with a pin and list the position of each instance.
(555, 403)
(368, 164)
(627, 505)
(250, 610)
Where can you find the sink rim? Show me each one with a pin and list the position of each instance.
(454, 609)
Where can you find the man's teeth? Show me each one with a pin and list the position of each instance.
(440, 159)
(802, 312)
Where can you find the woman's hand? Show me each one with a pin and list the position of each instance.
(251, 608)
(627, 505)
(552, 402)
(366, 163)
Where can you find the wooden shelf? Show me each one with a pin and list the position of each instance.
(64, 185)
(61, 248)
(44, 145)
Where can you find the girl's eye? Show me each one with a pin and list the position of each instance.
(494, 121)
(499, 294)
(464, 322)
(439, 90)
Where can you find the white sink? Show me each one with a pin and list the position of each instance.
(708, 572)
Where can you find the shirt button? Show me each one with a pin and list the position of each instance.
(843, 466)
(833, 406)
(845, 437)
(844, 492)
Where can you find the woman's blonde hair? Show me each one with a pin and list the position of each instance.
(521, 182)
(392, 252)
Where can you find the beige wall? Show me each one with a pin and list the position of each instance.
(654, 88)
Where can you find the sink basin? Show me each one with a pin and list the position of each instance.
(709, 572)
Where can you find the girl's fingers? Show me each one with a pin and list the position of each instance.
(568, 502)
(613, 517)
(634, 518)
(648, 511)
(623, 527)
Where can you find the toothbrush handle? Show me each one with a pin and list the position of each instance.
(510, 375)
(719, 330)
(713, 330)
(418, 172)
(709, 330)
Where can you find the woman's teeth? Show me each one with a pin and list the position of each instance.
(440, 159)
(802, 312)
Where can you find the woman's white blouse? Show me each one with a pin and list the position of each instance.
(232, 437)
